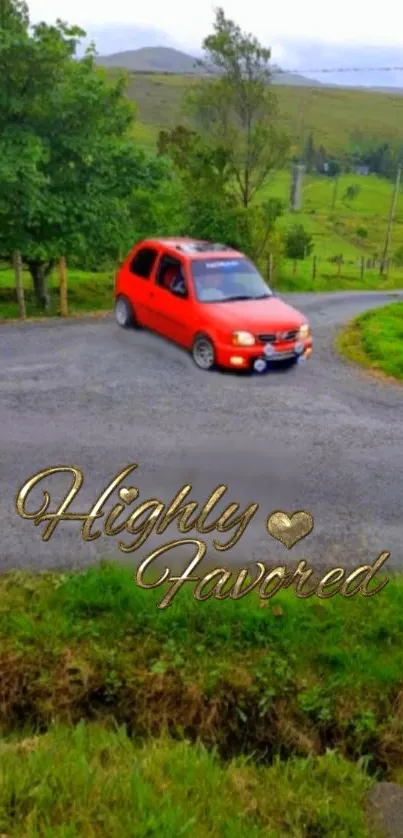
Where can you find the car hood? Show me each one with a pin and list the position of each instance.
(255, 315)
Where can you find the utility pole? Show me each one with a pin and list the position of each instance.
(391, 219)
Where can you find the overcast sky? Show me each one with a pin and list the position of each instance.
(347, 22)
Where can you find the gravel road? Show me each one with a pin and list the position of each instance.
(324, 437)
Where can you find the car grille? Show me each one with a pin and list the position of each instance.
(276, 337)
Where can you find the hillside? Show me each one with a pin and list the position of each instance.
(332, 114)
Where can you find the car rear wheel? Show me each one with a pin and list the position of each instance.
(203, 353)
(124, 313)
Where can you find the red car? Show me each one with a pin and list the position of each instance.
(211, 300)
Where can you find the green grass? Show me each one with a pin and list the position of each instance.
(91, 782)
(215, 719)
(335, 230)
(87, 292)
(375, 340)
(293, 678)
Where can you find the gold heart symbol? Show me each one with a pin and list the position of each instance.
(128, 495)
(289, 528)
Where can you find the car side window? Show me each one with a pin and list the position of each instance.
(143, 262)
(171, 277)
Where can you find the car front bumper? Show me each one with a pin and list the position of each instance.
(244, 357)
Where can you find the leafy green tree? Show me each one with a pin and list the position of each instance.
(14, 15)
(210, 209)
(68, 162)
(298, 242)
(236, 108)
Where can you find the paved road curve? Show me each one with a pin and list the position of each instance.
(324, 437)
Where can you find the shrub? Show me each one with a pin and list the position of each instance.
(298, 242)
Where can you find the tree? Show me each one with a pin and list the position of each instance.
(298, 242)
(210, 210)
(14, 15)
(237, 109)
(68, 162)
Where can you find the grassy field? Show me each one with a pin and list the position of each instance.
(332, 115)
(335, 228)
(91, 782)
(375, 340)
(273, 720)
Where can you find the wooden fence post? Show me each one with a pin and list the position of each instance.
(17, 263)
(314, 266)
(63, 287)
(270, 268)
(362, 266)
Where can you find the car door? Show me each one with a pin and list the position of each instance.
(172, 311)
(139, 276)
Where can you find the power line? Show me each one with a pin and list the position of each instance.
(300, 71)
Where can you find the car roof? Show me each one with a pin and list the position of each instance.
(196, 248)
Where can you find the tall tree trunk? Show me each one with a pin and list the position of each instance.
(17, 262)
(40, 271)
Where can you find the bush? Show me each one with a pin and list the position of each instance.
(298, 242)
(362, 232)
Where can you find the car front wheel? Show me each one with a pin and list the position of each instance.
(203, 353)
(124, 313)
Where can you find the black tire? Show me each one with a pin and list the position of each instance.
(203, 353)
(124, 313)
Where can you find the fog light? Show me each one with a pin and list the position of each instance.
(237, 361)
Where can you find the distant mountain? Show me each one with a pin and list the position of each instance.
(169, 60)
(152, 60)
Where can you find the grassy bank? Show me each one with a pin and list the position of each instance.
(293, 678)
(375, 340)
(95, 782)
(242, 717)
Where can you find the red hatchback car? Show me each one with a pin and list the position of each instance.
(211, 300)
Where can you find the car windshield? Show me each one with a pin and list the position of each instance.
(227, 280)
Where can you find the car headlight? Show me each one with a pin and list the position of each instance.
(243, 339)
(304, 331)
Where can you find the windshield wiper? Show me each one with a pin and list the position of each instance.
(244, 297)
